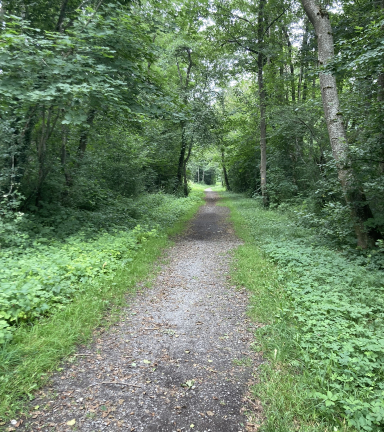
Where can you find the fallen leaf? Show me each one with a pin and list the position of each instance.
(192, 426)
(71, 422)
(210, 413)
(121, 401)
(146, 361)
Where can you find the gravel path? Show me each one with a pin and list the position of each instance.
(179, 359)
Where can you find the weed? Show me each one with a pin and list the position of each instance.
(247, 362)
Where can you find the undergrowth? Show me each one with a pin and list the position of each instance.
(324, 325)
(60, 291)
(40, 270)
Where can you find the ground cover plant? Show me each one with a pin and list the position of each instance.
(55, 293)
(324, 324)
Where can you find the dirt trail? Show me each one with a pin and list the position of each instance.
(178, 361)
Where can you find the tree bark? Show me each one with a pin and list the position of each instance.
(185, 182)
(23, 140)
(184, 84)
(64, 155)
(291, 68)
(302, 94)
(59, 25)
(354, 197)
(180, 166)
(262, 99)
(225, 174)
(85, 133)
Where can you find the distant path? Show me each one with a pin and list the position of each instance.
(179, 360)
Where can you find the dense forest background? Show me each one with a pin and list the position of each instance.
(103, 102)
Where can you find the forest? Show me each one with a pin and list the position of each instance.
(111, 111)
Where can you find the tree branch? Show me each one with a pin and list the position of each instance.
(273, 21)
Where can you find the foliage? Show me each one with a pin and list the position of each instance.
(41, 272)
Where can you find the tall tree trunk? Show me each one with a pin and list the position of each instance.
(64, 156)
(23, 140)
(282, 94)
(262, 99)
(183, 149)
(225, 174)
(354, 197)
(302, 78)
(184, 84)
(185, 182)
(380, 99)
(41, 155)
(85, 132)
(291, 68)
(59, 25)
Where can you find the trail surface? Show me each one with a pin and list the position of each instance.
(178, 361)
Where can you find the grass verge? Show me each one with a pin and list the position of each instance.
(321, 332)
(37, 349)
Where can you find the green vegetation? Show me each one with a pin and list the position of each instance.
(41, 275)
(324, 324)
(108, 111)
(95, 276)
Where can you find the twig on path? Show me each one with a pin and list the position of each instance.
(120, 383)
(252, 403)
(83, 355)
(156, 328)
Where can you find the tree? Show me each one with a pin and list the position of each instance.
(354, 196)
(54, 82)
